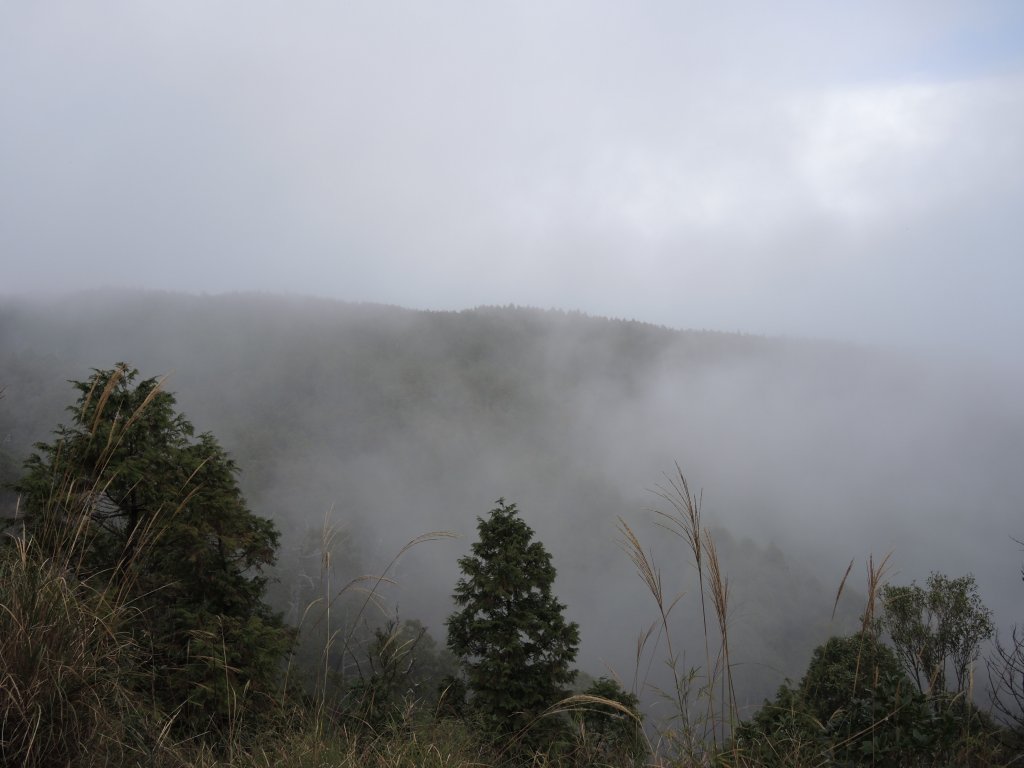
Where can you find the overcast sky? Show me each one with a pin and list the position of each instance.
(851, 170)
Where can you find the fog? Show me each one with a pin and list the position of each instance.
(389, 423)
(847, 170)
(831, 190)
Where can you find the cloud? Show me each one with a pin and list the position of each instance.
(783, 166)
(871, 152)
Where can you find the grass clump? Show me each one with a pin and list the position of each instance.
(66, 661)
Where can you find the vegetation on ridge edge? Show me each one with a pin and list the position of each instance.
(133, 598)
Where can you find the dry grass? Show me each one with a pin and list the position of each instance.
(69, 668)
(689, 737)
(64, 696)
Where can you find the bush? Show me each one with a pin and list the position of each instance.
(854, 706)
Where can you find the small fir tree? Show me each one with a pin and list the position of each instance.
(514, 644)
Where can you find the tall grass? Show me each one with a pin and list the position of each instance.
(69, 667)
(703, 698)
(337, 688)
(74, 675)
(63, 662)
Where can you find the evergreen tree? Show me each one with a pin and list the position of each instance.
(509, 633)
(128, 496)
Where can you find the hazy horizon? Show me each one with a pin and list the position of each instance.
(846, 171)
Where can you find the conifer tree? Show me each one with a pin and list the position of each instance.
(127, 496)
(514, 644)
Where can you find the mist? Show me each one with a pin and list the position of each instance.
(389, 423)
(844, 172)
(405, 259)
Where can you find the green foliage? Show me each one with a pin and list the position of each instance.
(127, 496)
(855, 687)
(846, 668)
(509, 633)
(612, 736)
(937, 630)
(452, 698)
(403, 669)
(854, 706)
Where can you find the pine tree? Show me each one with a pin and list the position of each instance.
(126, 495)
(514, 644)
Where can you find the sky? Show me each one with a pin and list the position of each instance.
(848, 170)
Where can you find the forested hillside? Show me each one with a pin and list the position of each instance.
(389, 423)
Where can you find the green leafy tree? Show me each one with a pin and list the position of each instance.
(509, 633)
(937, 631)
(126, 494)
